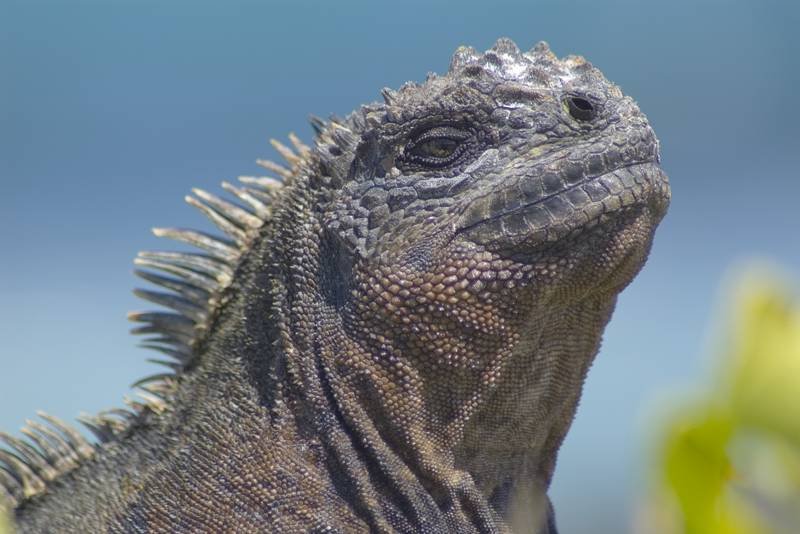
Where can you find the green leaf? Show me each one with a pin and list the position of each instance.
(730, 461)
(763, 387)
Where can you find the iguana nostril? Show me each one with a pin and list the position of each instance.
(581, 109)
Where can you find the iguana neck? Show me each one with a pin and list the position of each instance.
(467, 447)
(471, 460)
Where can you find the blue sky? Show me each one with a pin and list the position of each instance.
(110, 111)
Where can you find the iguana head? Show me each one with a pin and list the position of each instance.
(509, 152)
(476, 229)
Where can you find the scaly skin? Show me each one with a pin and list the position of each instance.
(403, 346)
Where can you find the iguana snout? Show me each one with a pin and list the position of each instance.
(597, 165)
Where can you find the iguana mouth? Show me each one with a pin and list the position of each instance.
(570, 211)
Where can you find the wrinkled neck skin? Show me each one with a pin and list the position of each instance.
(436, 423)
(485, 457)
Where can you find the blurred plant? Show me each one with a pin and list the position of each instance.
(5, 526)
(729, 463)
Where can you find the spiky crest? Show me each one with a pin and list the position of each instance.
(191, 285)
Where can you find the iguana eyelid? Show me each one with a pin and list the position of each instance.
(414, 153)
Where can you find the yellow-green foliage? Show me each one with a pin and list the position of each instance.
(5, 525)
(730, 462)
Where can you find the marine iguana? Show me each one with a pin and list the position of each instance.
(392, 336)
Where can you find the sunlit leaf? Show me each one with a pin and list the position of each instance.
(764, 376)
(5, 525)
(698, 471)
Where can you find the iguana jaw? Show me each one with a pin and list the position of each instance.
(530, 226)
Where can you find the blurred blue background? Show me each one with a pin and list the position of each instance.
(111, 110)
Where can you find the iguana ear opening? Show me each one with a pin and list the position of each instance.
(373, 159)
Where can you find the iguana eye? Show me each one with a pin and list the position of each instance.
(437, 147)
